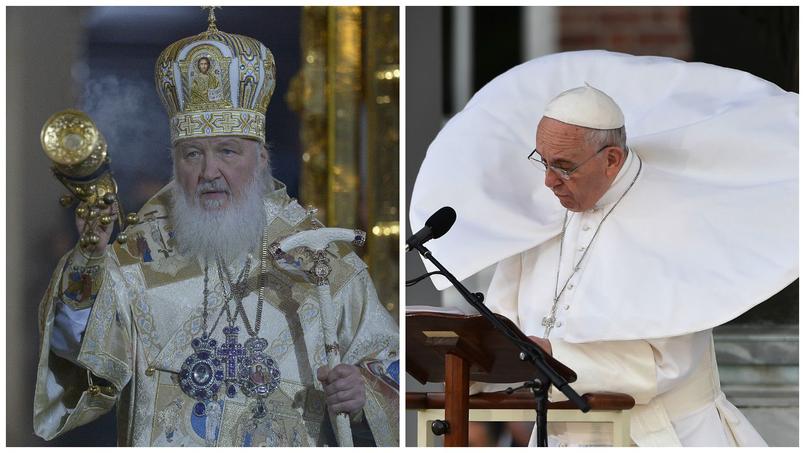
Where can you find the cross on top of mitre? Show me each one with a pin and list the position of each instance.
(211, 18)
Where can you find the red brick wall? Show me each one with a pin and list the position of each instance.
(644, 30)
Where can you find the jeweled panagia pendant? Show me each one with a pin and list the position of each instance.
(259, 374)
(201, 374)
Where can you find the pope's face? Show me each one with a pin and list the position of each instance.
(216, 170)
(564, 146)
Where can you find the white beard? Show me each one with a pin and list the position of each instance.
(229, 233)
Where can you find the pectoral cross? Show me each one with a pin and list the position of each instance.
(231, 352)
(211, 18)
(549, 322)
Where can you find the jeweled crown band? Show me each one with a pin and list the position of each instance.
(230, 122)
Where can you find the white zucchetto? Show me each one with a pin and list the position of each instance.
(586, 107)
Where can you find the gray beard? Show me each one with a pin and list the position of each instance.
(230, 233)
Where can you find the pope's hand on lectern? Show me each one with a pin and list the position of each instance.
(542, 343)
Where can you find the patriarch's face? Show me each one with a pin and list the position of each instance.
(215, 171)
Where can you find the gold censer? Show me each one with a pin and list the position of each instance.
(72, 141)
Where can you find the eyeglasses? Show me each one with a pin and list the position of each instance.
(538, 161)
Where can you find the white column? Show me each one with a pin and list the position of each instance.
(462, 59)
(540, 31)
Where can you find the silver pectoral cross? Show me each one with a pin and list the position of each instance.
(548, 322)
(231, 353)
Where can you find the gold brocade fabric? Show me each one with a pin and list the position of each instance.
(149, 308)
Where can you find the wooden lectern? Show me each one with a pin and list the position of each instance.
(456, 349)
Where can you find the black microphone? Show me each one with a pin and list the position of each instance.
(437, 225)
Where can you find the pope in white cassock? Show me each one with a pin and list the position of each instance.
(190, 327)
(619, 257)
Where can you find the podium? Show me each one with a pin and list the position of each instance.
(456, 349)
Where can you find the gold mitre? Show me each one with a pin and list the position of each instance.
(216, 84)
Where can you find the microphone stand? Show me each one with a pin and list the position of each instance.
(529, 352)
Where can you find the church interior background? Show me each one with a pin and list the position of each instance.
(332, 128)
(452, 52)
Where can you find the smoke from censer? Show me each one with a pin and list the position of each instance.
(131, 118)
(124, 111)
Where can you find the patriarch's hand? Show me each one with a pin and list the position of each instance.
(344, 389)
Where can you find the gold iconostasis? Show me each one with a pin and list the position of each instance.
(347, 96)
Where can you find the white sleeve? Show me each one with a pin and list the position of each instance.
(640, 368)
(70, 312)
(677, 357)
(69, 325)
(503, 291)
(609, 366)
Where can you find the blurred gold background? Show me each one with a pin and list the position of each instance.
(347, 94)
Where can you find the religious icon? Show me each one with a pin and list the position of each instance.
(143, 248)
(75, 286)
(377, 368)
(258, 375)
(206, 86)
(169, 417)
